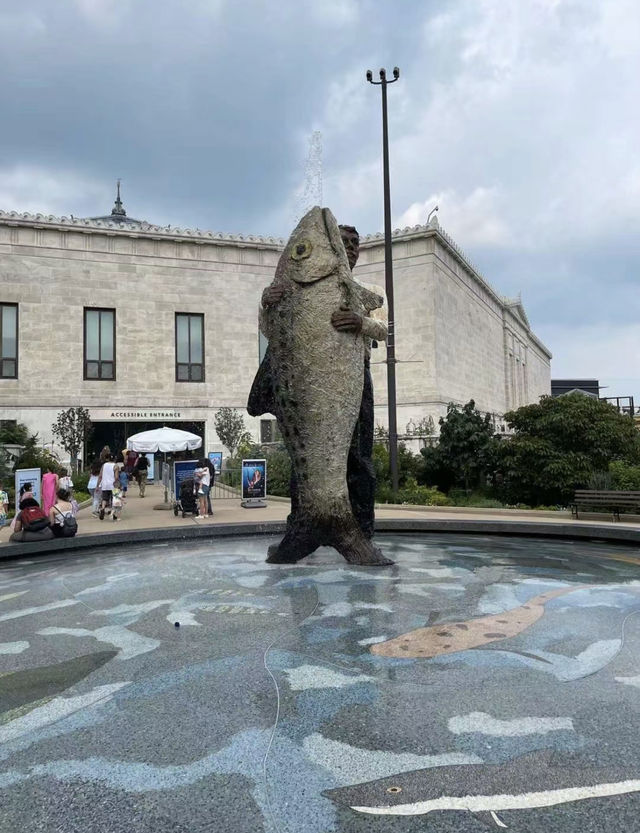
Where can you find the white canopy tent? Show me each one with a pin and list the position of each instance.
(163, 439)
(166, 440)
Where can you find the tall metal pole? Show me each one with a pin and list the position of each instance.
(388, 279)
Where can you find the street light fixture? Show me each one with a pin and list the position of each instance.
(388, 279)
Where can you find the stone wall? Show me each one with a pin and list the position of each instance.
(456, 338)
(53, 274)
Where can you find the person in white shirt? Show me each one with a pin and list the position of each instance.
(106, 480)
(203, 481)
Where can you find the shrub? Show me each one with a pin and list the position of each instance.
(624, 476)
(479, 499)
(410, 466)
(412, 493)
(80, 481)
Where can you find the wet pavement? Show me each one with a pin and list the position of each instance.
(481, 682)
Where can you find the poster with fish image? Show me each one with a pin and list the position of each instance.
(254, 479)
(216, 460)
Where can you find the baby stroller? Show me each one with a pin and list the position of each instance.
(187, 502)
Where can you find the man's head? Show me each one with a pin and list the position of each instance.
(351, 240)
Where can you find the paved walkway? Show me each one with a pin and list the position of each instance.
(144, 513)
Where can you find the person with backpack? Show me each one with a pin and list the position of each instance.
(140, 472)
(61, 517)
(31, 523)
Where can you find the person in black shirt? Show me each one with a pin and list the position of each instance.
(140, 472)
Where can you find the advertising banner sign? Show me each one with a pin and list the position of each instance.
(182, 469)
(254, 483)
(216, 459)
(33, 476)
(151, 468)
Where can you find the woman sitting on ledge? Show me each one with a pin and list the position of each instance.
(31, 523)
(59, 512)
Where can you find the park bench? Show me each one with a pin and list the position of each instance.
(611, 500)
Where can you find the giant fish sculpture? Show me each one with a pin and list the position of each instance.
(313, 385)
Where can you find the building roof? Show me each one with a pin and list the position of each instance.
(119, 215)
(118, 221)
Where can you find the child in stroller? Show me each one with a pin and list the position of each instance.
(187, 502)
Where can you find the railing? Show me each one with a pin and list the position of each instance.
(227, 485)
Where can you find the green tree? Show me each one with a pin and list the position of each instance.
(230, 428)
(72, 428)
(16, 433)
(32, 456)
(465, 449)
(559, 445)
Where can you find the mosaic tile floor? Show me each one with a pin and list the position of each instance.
(480, 683)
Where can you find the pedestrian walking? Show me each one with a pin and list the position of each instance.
(106, 481)
(140, 471)
(122, 476)
(49, 489)
(116, 503)
(93, 488)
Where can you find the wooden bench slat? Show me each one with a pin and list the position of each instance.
(610, 499)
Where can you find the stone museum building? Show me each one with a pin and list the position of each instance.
(147, 325)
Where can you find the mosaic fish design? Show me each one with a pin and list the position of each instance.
(21, 691)
(523, 783)
(452, 637)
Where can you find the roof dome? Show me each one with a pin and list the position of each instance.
(118, 214)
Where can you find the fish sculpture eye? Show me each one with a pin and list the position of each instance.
(301, 250)
(394, 790)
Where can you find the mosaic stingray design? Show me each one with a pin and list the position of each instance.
(452, 637)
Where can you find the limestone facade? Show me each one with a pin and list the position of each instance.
(456, 338)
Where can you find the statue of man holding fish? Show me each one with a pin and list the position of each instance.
(315, 380)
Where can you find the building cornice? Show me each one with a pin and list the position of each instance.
(149, 231)
(88, 225)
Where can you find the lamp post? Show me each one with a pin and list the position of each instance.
(388, 279)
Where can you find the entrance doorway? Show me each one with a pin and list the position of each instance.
(114, 434)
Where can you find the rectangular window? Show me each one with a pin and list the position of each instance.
(9, 341)
(269, 431)
(99, 344)
(189, 347)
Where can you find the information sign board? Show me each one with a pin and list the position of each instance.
(33, 476)
(182, 469)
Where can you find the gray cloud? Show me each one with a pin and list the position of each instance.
(520, 120)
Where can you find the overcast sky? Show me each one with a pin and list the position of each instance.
(519, 118)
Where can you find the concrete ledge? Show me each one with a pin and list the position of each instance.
(487, 526)
(140, 536)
